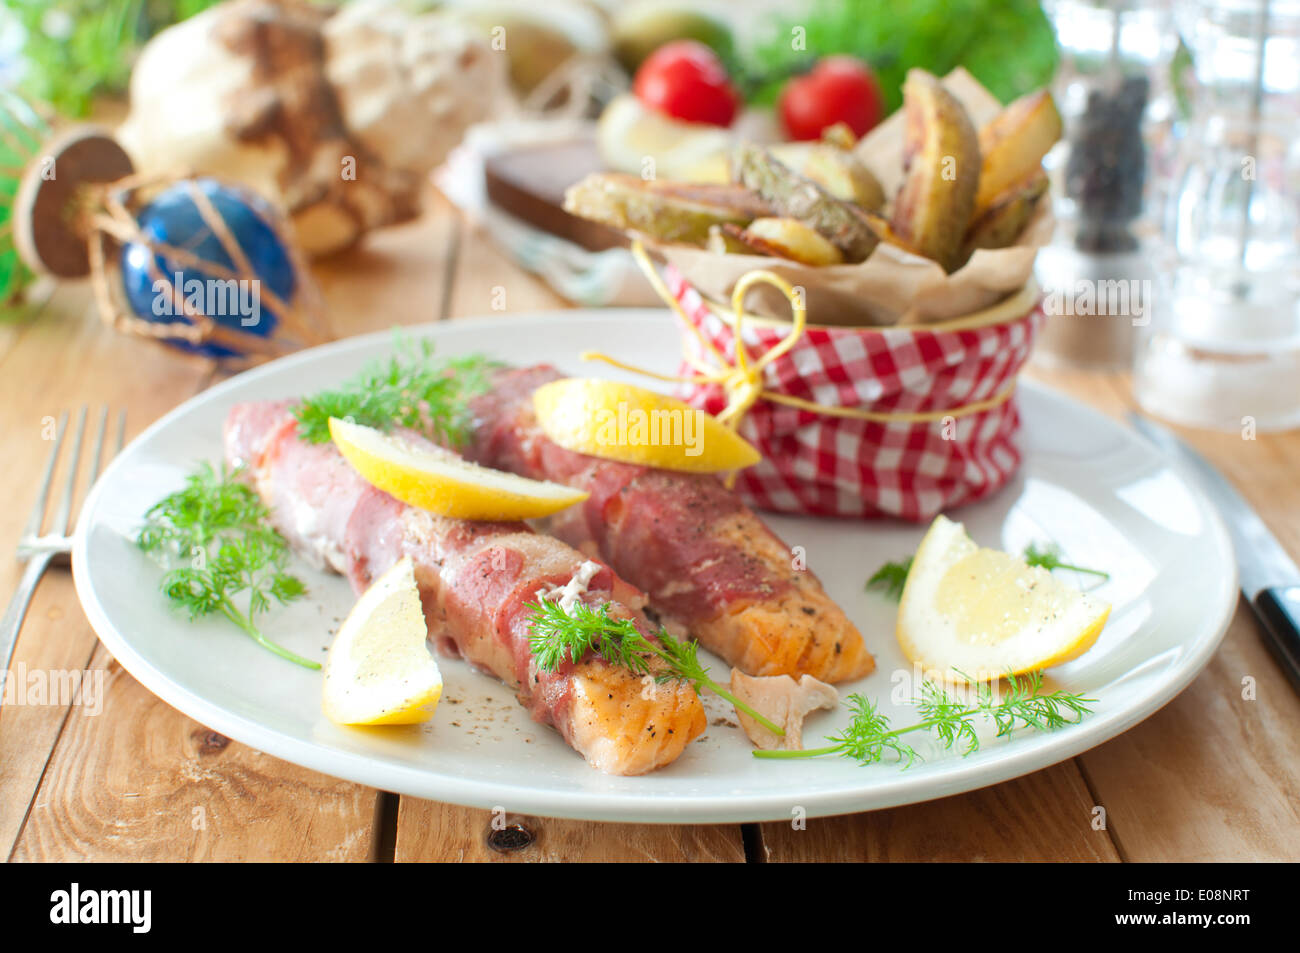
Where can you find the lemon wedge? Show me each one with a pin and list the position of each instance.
(968, 611)
(629, 423)
(441, 482)
(629, 133)
(379, 670)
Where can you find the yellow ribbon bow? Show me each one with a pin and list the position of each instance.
(743, 381)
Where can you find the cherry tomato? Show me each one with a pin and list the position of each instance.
(686, 80)
(838, 89)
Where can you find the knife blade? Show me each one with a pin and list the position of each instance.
(1269, 578)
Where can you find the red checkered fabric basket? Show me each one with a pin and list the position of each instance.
(814, 463)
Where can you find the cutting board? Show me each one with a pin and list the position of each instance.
(528, 182)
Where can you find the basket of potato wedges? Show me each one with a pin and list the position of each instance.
(910, 254)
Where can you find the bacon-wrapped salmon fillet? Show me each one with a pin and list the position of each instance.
(710, 566)
(475, 579)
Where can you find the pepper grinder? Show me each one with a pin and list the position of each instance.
(1097, 273)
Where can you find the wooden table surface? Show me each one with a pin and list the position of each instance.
(1215, 775)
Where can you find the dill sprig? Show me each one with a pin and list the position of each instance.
(892, 577)
(409, 389)
(215, 535)
(559, 636)
(954, 723)
(1049, 557)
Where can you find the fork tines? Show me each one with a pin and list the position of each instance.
(39, 551)
(57, 536)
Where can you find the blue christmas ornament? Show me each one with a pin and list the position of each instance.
(196, 264)
(220, 258)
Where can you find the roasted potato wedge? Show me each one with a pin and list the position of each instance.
(792, 195)
(1000, 224)
(843, 175)
(792, 239)
(941, 159)
(885, 232)
(728, 240)
(1013, 143)
(832, 165)
(667, 211)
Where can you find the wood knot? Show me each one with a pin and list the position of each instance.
(513, 837)
(209, 741)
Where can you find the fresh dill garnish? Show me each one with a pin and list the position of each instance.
(953, 722)
(409, 389)
(891, 577)
(217, 542)
(558, 636)
(1049, 557)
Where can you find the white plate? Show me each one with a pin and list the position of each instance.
(1109, 500)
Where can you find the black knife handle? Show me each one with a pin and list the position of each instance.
(1278, 609)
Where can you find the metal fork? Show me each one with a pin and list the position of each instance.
(40, 550)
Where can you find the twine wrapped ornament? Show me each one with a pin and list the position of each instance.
(193, 263)
(203, 266)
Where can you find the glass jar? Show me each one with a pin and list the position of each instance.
(1224, 351)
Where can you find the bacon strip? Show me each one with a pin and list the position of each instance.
(475, 580)
(710, 566)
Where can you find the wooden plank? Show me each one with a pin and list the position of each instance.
(1214, 775)
(61, 359)
(432, 831)
(1101, 390)
(396, 276)
(488, 282)
(1211, 776)
(1045, 816)
(56, 638)
(141, 782)
(15, 325)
